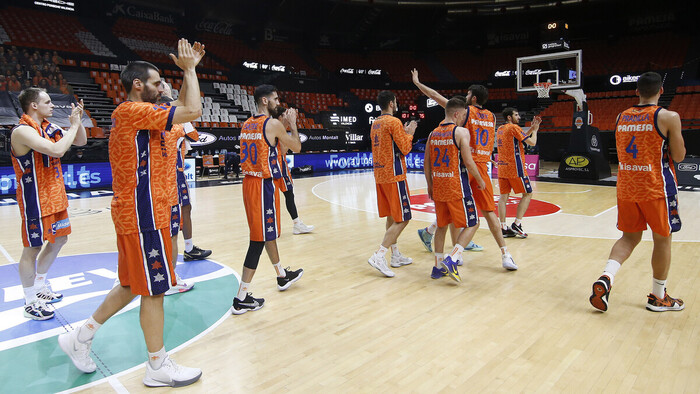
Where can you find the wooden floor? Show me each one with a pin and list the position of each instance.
(345, 328)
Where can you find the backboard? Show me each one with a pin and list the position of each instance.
(562, 69)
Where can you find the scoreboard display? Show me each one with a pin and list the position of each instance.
(412, 114)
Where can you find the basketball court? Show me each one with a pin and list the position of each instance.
(346, 328)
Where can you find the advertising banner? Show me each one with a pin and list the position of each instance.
(75, 176)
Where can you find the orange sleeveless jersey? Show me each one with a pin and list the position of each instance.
(390, 145)
(258, 156)
(510, 151)
(139, 159)
(646, 171)
(481, 124)
(171, 145)
(450, 176)
(40, 188)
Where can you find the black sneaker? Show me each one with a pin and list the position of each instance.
(508, 233)
(249, 304)
(518, 230)
(601, 293)
(292, 276)
(197, 254)
(37, 310)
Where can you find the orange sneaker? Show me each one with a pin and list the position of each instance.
(666, 304)
(601, 292)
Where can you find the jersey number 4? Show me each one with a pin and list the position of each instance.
(632, 148)
(445, 158)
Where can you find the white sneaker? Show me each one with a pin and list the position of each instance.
(508, 262)
(47, 295)
(38, 310)
(399, 260)
(180, 287)
(170, 374)
(301, 228)
(379, 262)
(460, 262)
(78, 352)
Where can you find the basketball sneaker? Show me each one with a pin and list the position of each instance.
(451, 268)
(180, 287)
(601, 293)
(38, 310)
(426, 238)
(508, 263)
(47, 295)
(248, 304)
(291, 277)
(196, 254)
(170, 374)
(399, 260)
(508, 233)
(301, 228)
(666, 304)
(78, 352)
(518, 230)
(379, 262)
(471, 246)
(438, 272)
(460, 261)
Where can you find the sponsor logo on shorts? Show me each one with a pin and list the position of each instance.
(55, 226)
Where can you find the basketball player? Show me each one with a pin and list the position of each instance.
(648, 140)
(260, 136)
(391, 142)
(481, 125)
(285, 183)
(512, 173)
(141, 212)
(37, 148)
(447, 158)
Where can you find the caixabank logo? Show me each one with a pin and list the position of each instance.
(29, 351)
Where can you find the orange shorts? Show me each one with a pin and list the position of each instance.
(35, 231)
(660, 214)
(517, 185)
(462, 213)
(284, 183)
(145, 262)
(262, 208)
(393, 200)
(483, 198)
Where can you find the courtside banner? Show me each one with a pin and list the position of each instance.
(349, 161)
(532, 163)
(76, 176)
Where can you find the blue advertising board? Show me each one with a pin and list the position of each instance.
(347, 160)
(76, 176)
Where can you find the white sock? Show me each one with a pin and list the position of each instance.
(431, 229)
(243, 291)
(281, 273)
(438, 258)
(611, 270)
(297, 221)
(504, 251)
(39, 281)
(88, 330)
(156, 359)
(395, 249)
(381, 251)
(517, 222)
(29, 295)
(457, 252)
(189, 245)
(658, 287)
(504, 226)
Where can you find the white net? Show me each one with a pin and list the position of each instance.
(543, 89)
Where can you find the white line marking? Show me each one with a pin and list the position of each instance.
(117, 385)
(584, 191)
(7, 255)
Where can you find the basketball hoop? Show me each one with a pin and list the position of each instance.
(542, 89)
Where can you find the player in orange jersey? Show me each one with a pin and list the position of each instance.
(481, 125)
(648, 140)
(447, 158)
(37, 148)
(260, 135)
(512, 174)
(285, 183)
(391, 142)
(141, 212)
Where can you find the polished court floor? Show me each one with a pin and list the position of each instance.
(345, 328)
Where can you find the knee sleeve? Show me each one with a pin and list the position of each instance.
(253, 256)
